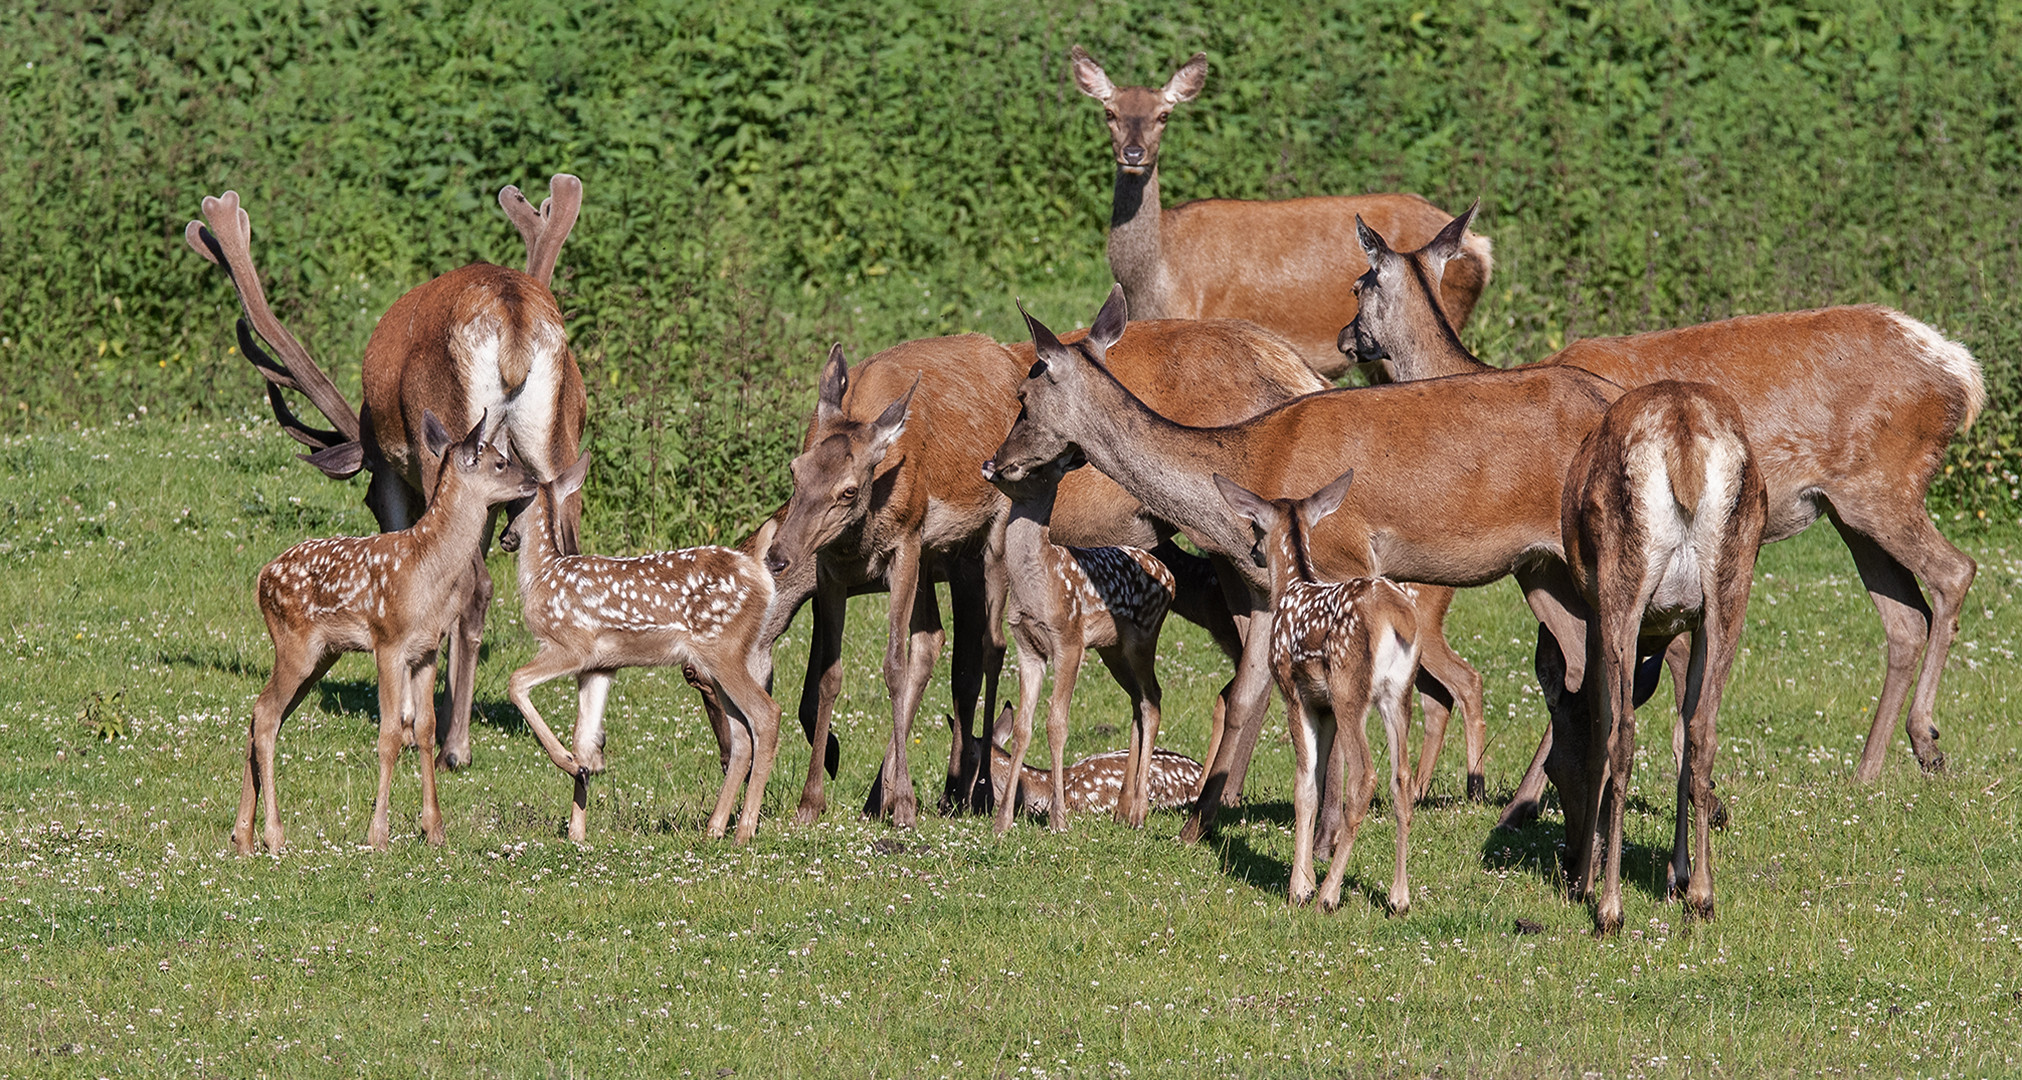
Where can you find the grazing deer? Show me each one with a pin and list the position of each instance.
(1442, 499)
(482, 340)
(392, 595)
(1064, 601)
(1663, 513)
(1211, 371)
(701, 608)
(1094, 784)
(1338, 648)
(1849, 410)
(1282, 264)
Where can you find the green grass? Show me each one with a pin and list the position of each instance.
(1859, 928)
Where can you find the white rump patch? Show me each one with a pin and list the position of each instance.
(1948, 356)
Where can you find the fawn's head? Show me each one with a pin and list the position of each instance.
(473, 467)
(832, 477)
(1137, 114)
(1052, 395)
(1281, 528)
(1397, 299)
(544, 521)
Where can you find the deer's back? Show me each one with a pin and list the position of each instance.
(1825, 394)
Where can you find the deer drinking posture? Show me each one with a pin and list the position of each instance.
(701, 608)
(1338, 648)
(1663, 514)
(1442, 500)
(480, 340)
(1849, 411)
(393, 595)
(1093, 784)
(1064, 601)
(1283, 264)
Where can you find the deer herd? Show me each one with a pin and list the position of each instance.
(1625, 483)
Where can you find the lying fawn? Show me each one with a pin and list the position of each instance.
(702, 608)
(1336, 649)
(1064, 601)
(1663, 512)
(1095, 783)
(393, 595)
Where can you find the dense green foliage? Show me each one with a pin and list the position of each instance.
(1863, 931)
(765, 177)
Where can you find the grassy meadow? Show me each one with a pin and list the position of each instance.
(1861, 931)
(763, 179)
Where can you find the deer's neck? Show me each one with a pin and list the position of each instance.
(1432, 350)
(1168, 467)
(451, 526)
(1135, 256)
(539, 549)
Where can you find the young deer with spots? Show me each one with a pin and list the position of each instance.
(1848, 409)
(700, 608)
(1338, 648)
(1663, 514)
(393, 595)
(1283, 264)
(480, 340)
(1094, 784)
(1064, 601)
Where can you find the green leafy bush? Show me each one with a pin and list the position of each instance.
(764, 178)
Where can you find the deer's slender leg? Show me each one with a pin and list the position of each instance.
(295, 672)
(393, 689)
(421, 717)
(593, 691)
(1312, 725)
(760, 715)
(1395, 712)
(1356, 768)
(913, 643)
(464, 640)
(742, 750)
(1461, 684)
(818, 692)
(1250, 696)
(1557, 604)
(978, 662)
(546, 665)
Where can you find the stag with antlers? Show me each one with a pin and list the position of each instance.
(480, 340)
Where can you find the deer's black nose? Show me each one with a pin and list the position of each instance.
(775, 562)
(1133, 155)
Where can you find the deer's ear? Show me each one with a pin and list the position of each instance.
(1004, 728)
(1373, 244)
(890, 424)
(1109, 322)
(1089, 76)
(1186, 83)
(571, 479)
(1314, 508)
(434, 437)
(1044, 345)
(1247, 504)
(1447, 245)
(835, 380)
(472, 444)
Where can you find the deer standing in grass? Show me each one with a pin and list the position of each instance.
(1338, 649)
(1285, 265)
(1064, 601)
(1663, 514)
(1442, 498)
(393, 595)
(1093, 784)
(1212, 371)
(700, 608)
(1848, 409)
(482, 340)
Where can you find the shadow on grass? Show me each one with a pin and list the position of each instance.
(1537, 849)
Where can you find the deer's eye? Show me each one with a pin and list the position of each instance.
(849, 492)
(1162, 116)
(1111, 113)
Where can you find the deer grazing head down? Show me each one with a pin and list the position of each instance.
(1051, 392)
(1398, 299)
(1137, 114)
(832, 478)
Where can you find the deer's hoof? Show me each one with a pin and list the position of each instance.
(453, 760)
(1933, 764)
(1477, 788)
(1519, 814)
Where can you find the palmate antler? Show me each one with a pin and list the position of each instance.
(546, 228)
(228, 243)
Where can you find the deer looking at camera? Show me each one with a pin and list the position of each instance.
(1064, 601)
(1286, 265)
(1094, 784)
(700, 608)
(1663, 514)
(393, 595)
(1338, 648)
(1848, 409)
(482, 340)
